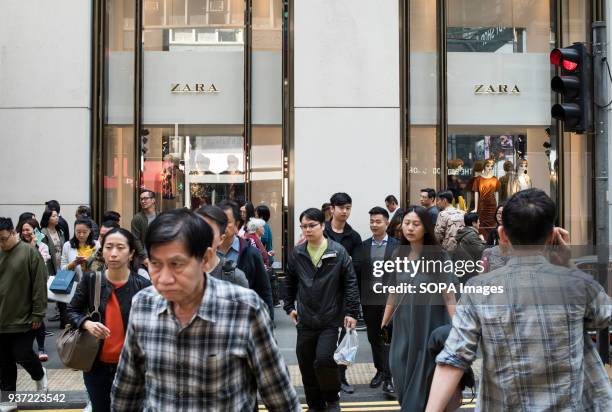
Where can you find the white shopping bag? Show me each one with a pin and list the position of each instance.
(346, 353)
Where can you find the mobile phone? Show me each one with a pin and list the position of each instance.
(38, 235)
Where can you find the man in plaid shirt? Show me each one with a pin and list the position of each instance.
(193, 342)
(536, 355)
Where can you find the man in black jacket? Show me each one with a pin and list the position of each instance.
(338, 230)
(379, 247)
(246, 256)
(321, 278)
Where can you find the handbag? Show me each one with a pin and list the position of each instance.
(62, 282)
(78, 349)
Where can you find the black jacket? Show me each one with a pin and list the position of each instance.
(83, 301)
(365, 271)
(324, 295)
(349, 238)
(251, 263)
(62, 224)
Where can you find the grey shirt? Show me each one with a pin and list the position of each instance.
(237, 277)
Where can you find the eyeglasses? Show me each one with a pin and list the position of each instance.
(5, 239)
(310, 226)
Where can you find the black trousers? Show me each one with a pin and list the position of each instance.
(372, 315)
(16, 348)
(320, 373)
(99, 381)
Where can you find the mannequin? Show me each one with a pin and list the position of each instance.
(454, 184)
(523, 179)
(232, 166)
(486, 188)
(478, 168)
(507, 181)
(202, 165)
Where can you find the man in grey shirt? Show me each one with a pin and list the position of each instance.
(219, 267)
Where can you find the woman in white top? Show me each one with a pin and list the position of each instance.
(78, 253)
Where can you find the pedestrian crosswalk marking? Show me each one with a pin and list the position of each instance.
(373, 406)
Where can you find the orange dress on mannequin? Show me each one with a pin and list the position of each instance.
(486, 187)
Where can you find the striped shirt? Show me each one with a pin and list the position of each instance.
(536, 353)
(218, 362)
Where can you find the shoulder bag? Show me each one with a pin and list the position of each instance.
(77, 348)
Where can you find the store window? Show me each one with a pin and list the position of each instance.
(266, 148)
(193, 102)
(119, 158)
(424, 167)
(499, 138)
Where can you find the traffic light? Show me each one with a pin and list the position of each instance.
(574, 85)
(144, 147)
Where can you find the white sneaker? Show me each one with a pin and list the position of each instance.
(88, 407)
(8, 407)
(42, 385)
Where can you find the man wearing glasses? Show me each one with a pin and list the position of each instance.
(141, 222)
(320, 276)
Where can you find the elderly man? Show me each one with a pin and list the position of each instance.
(193, 342)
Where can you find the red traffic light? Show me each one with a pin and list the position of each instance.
(568, 58)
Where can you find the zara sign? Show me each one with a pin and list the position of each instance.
(496, 89)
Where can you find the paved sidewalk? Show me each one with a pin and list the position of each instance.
(70, 380)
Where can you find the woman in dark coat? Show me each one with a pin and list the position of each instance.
(418, 314)
(119, 285)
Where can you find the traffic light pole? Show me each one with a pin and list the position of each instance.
(600, 126)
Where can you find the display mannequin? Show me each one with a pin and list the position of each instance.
(478, 168)
(485, 188)
(202, 165)
(522, 178)
(507, 181)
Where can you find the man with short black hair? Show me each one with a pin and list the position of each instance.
(392, 204)
(193, 342)
(141, 222)
(219, 267)
(379, 247)
(321, 278)
(338, 230)
(428, 201)
(450, 220)
(532, 336)
(470, 245)
(23, 303)
(247, 257)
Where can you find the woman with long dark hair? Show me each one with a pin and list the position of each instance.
(395, 224)
(493, 238)
(54, 239)
(78, 252)
(247, 211)
(120, 283)
(416, 315)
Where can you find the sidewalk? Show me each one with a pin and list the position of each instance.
(69, 380)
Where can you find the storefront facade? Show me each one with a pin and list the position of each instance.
(284, 103)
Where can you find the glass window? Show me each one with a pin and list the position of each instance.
(424, 168)
(498, 88)
(118, 131)
(266, 156)
(193, 102)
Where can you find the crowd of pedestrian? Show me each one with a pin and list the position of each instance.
(184, 309)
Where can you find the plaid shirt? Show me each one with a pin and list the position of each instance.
(216, 363)
(536, 354)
